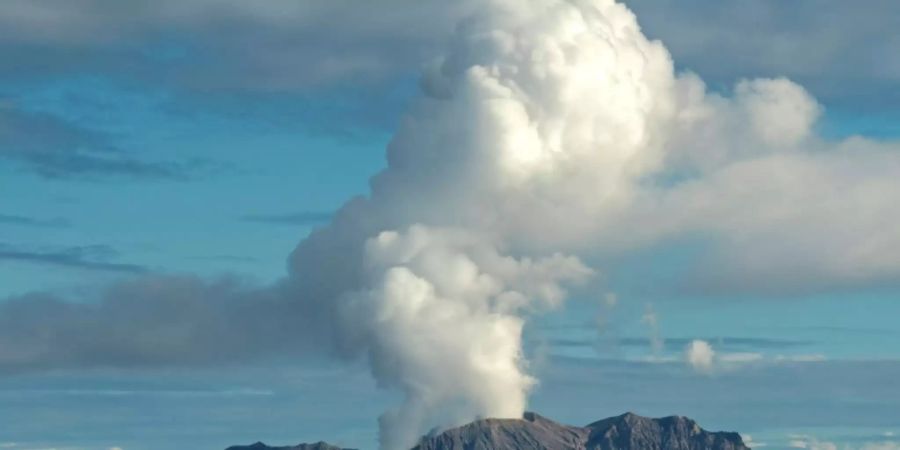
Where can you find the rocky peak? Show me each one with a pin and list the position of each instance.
(628, 431)
(631, 432)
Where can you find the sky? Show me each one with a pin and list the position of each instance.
(161, 161)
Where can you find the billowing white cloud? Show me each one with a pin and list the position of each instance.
(559, 141)
(492, 157)
(780, 112)
(441, 318)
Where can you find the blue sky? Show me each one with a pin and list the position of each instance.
(149, 140)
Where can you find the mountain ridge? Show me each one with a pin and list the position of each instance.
(627, 431)
(321, 445)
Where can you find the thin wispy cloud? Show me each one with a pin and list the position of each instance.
(92, 257)
(237, 392)
(226, 258)
(11, 219)
(678, 343)
(304, 218)
(54, 148)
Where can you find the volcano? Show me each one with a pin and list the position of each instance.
(534, 432)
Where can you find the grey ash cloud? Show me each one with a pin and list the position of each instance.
(90, 257)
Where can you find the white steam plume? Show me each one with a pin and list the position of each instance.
(417, 275)
(442, 312)
(490, 162)
(554, 127)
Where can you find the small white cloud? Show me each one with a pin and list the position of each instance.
(700, 355)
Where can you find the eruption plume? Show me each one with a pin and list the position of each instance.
(541, 112)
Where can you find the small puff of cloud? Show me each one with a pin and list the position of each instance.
(700, 356)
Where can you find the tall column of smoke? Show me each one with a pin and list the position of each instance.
(539, 107)
(543, 131)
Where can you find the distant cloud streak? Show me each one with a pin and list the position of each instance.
(55, 148)
(8, 219)
(84, 257)
(675, 344)
(226, 258)
(299, 218)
